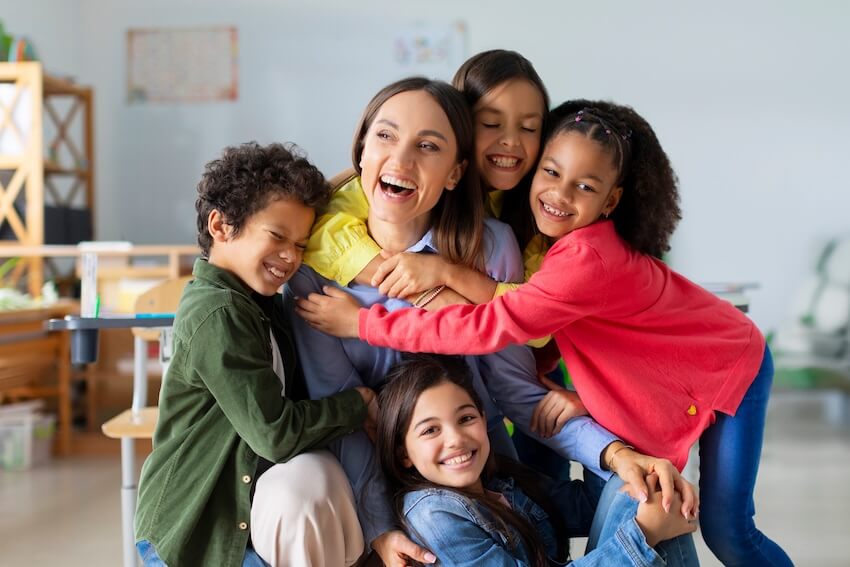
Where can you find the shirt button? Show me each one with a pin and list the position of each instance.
(692, 410)
(246, 479)
(243, 526)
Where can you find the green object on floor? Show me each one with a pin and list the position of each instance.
(810, 379)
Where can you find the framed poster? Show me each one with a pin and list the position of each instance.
(182, 64)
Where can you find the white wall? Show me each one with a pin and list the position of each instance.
(748, 98)
(53, 26)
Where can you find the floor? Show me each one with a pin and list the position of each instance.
(68, 513)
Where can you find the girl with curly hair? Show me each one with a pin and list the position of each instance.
(656, 359)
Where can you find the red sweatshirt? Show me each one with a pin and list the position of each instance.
(651, 354)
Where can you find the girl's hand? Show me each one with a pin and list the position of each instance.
(554, 410)
(335, 313)
(657, 524)
(396, 550)
(407, 273)
(634, 468)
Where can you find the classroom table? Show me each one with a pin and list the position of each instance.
(83, 350)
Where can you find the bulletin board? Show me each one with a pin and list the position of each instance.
(431, 49)
(182, 64)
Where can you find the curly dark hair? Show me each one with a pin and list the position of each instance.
(248, 177)
(648, 211)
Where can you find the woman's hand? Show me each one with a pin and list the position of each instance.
(634, 468)
(446, 297)
(656, 523)
(396, 550)
(336, 313)
(407, 273)
(555, 409)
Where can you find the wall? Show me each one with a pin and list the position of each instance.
(52, 26)
(747, 98)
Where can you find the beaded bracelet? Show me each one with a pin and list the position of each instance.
(614, 454)
(426, 296)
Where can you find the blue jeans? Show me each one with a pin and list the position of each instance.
(730, 451)
(615, 507)
(151, 559)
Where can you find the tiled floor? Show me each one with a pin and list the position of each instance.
(69, 513)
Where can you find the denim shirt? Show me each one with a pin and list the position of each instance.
(506, 381)
(463, 533)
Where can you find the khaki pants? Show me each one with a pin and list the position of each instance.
(304, 514)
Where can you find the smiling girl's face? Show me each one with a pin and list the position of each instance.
(508, 124)
(574, 185)
(447, 439)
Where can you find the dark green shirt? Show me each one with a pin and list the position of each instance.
(221, 411)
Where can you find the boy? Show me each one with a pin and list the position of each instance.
(234, 403)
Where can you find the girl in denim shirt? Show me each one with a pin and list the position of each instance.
(453, 497)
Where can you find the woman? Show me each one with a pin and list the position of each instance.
(412, 152)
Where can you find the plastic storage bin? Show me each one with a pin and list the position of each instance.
(26, 436)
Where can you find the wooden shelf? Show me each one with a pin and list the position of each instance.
(47, 126)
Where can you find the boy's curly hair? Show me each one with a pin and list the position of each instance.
(248, 177)
(648, 211)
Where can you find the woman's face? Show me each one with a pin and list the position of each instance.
(447, 439)
(409, 158)
(508, 124)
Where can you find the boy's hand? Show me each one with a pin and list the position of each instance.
(656, 523)
(634, 468)
(335, 313)
(370, 424)
(555, 409)
(406, 273)
(396, 550)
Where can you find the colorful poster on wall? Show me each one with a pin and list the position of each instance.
(431, 49)
(182, 64)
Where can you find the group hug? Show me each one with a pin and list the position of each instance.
(373, 370)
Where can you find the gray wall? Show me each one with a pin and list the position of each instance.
(748, 98)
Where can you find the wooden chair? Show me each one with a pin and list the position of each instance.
(139, 421)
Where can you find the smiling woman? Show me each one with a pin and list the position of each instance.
(420, 195)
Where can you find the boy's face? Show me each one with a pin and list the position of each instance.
(268, 249)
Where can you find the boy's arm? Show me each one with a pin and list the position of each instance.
(340, 247)
(229, 354)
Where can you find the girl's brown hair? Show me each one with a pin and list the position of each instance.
(479, 75)
(457, 220)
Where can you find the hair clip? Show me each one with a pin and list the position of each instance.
(607, 131)
(579, 115)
